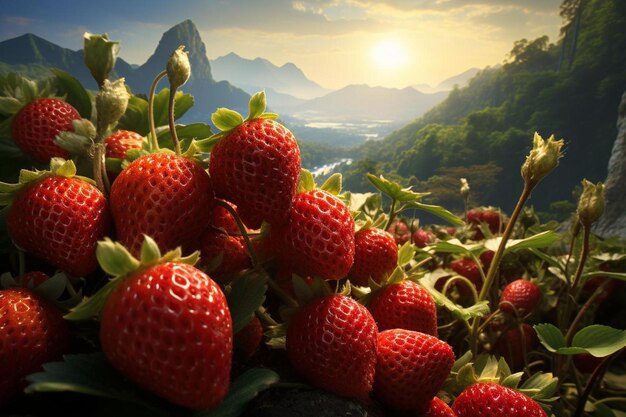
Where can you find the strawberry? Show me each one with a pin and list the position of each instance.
(168, 328)
(438, 408)
(467, 268)
(232, 249)
(520, 296)
(120, 142)
(222, 219)
(423, 238)
(405, 305)
(486, 258)
(32, 332)
(318, 238)
(59, 218)
(375, 256)
(332, 342)
(515, 343)
(32, 279)
(492, 217)
(164, 196)
(491, 400)
(36, 125)
(256, 165)
(247, 340)
(400, 232)
(411, 367)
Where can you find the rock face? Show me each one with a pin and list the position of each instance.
(613, 221)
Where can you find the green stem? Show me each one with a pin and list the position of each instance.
(153, 134)
(242, 230)
(495, 263)
(170, 113)
(581, 313)
(583, 259)
(98, 158)
(611, 400)
(464, 280)
(392, 213)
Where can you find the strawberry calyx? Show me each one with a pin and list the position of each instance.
(118, 262)
(226, 119)
(78, 142)
(59, 167)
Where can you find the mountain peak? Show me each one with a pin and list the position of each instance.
(184, 33)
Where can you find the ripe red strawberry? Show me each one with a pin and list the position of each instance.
(521, 296)
(375, 256)
(493, 219)
(491, 400)
(332, 342)
(423, 238)
(60, 220)
(515, 343)
(36, 125)
(411, 367)
(438, 408)
(490, 216)
(486, 258)
(256, 166)
(405, 305)
(164, 196)
(232, 249)
(168, 328)
(120, 142)
(222, 219)
(247, 340)
(32, 332)
(318, 238)
(32, 279)
(467, 268)
(400, 232)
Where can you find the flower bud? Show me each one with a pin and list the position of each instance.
(465, 188)
(99, 55)
(591, 203)
(111, 102)
(542, 159)
(178, 68)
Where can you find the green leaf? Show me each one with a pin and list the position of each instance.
(190, 131)
(246, 296)
(333, 184)
(242, 390)
(306, 182)
(225, 119)
(599, 340)
(550, 336)
(455, 246)
(356, 201)
(75, 93)
(550, 260)
(540, 386)
(406, 252)
(614, 275)
(76, 374)
(256, 106)
(540, 240)
(438, 211)
(10, 105)
(394, 190)
(136, 117)
(477, 310)
(92, 306)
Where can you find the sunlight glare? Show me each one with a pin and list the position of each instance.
(389, 54)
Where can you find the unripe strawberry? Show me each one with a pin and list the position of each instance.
(400, 232)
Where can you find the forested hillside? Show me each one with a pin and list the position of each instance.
(570, 88)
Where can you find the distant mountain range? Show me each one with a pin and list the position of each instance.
(460, 80)
(31, 55)
(255, 74)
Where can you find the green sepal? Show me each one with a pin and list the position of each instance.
(226, 119)
(269, 115)
(92, 306)
(394, 190)
(150, 252)
(7, 281)
(54, 287)
(306, 181)
(115, 259)
(406, 253)
(306, 293)
(256, 106)
(333, 184)
(246, 295)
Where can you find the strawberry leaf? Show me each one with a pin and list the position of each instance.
(75, 93)
(438, 211)
(225, 119)
(245, 297)
(242, 390)
(550, 336)
(394, 190)
(540, 240)
(598, 340)
(333, 184)
(76, 374)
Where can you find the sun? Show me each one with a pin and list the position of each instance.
(389, 54)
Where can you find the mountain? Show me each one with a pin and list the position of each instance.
(257, 74)
(460, 80)
(32, 54)
(570, 88)
(362, 102)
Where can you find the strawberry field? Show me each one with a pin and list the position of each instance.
(157, 268)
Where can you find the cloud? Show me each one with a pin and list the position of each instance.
(17, 20)
(450, 5)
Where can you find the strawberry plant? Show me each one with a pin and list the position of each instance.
(205, 268)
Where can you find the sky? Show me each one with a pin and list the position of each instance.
(390, 43)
